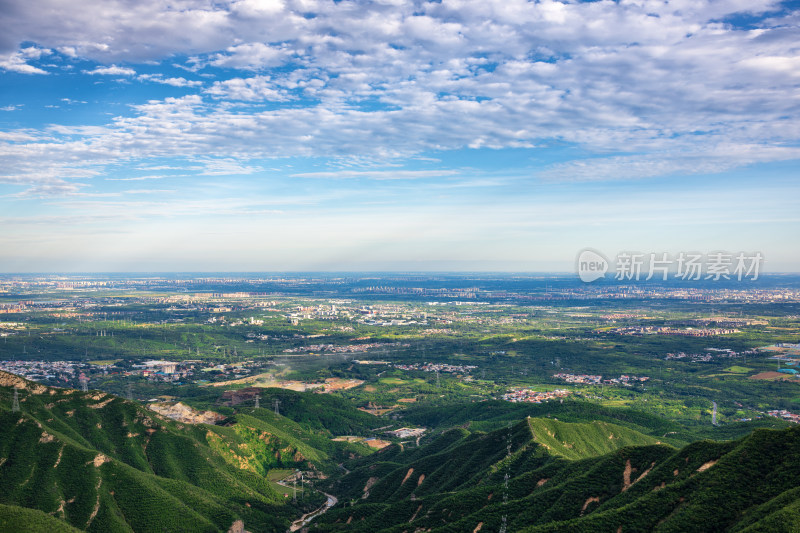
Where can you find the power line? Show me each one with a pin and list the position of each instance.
(506, 477)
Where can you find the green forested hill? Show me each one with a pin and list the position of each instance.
(581, 440)
(95, 462)
(101, 463)
(457, 473)
(15, 518)
(492, 414)
(322, 412)
(573, 477)
(747, 485)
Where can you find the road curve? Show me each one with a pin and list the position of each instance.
(308, 517)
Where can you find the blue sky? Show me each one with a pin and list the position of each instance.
(392, 135)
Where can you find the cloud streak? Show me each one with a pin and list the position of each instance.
(377, 174)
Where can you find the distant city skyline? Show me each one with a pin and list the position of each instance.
(311, 135)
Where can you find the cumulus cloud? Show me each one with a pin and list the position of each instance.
(252, 89)
(251, 56)
(18, 61)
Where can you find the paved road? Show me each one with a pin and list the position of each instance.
(308, 517)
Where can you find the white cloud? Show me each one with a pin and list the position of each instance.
(113, 70)
(18, 61)
(711, 161)
(175, 82)
(249, 89)
(52, 189)
(225, 167)
(68, 51)
(383, 80)
(250, 56)
(257, 8)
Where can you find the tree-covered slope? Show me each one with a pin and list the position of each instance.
(493, 414)
(322, 412)
(101, 463)
(747, 485)
(581, 440)
(457, 473)
(15, 518)
(573, 477)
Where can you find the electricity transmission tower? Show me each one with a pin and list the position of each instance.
(276, 402)
(15, 403)
(84, 382)
(257, 400)
(129, 392)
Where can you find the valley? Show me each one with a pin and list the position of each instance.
(540, 407)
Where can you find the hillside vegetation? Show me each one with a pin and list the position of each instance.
(95, 462)
(100, 463)
(573, 477)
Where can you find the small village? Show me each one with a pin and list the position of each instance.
(785, 415)
(664, 330)
(532, 396)
(437, 367)
(589, 379)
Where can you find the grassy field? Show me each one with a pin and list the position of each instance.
(738, 369)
